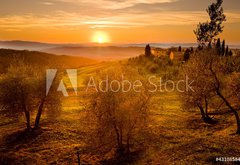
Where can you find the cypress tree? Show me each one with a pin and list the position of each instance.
(223, 48)
(226, 52)
(218, 46)
(148, 52)
(180, 49)
(186, 55)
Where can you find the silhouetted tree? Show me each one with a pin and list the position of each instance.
(207, 31)
(218, 46)
(227, 51)
(186, 55)
(223, 48)
(179, 48)
(148, 52)
(230, 53)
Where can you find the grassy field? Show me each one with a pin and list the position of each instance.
(178, 136)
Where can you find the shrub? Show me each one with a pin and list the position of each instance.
(118, 119)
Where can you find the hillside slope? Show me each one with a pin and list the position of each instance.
(40, 58)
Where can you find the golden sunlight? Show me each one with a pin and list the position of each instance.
(100, 37)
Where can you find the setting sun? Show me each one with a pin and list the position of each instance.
(100, 40)
(100, 37)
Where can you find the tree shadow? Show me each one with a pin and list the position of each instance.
(199, 123)
(18, 139)
(209, 120)
(128, 158)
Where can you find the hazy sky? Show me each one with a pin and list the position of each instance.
(117, 21)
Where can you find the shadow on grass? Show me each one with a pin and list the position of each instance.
(20, 138)
(209, 120)
(12, 143)
(196, 122)
(129, 158)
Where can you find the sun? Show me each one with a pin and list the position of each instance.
(100, 40)
(100, 37)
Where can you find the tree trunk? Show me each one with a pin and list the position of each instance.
(208, 118)
(128, 144)
(38, 117)
(232, 109)
(217, 88)
(27, 115)
(118, 136)
(202, 112)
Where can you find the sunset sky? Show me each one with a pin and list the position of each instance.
(114, 21)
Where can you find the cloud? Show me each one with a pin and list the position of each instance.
(47, 3)
(61, 19)
(114, 4)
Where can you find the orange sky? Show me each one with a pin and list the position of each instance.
(118, 21)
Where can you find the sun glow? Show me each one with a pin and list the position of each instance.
(100, 37)
(100, 40)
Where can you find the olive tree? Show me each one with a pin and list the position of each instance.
(16, 91)
(51, 101)
(203, 88)
(211, 74)
(118, 117)
(23, 90)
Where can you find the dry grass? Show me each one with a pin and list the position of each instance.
(178, 136)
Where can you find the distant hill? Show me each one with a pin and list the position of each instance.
(101, 52)
(40, 58)
(26, 45)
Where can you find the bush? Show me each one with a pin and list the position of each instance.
(153, 68)
(118, 119)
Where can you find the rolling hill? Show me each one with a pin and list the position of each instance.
(40, 58)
